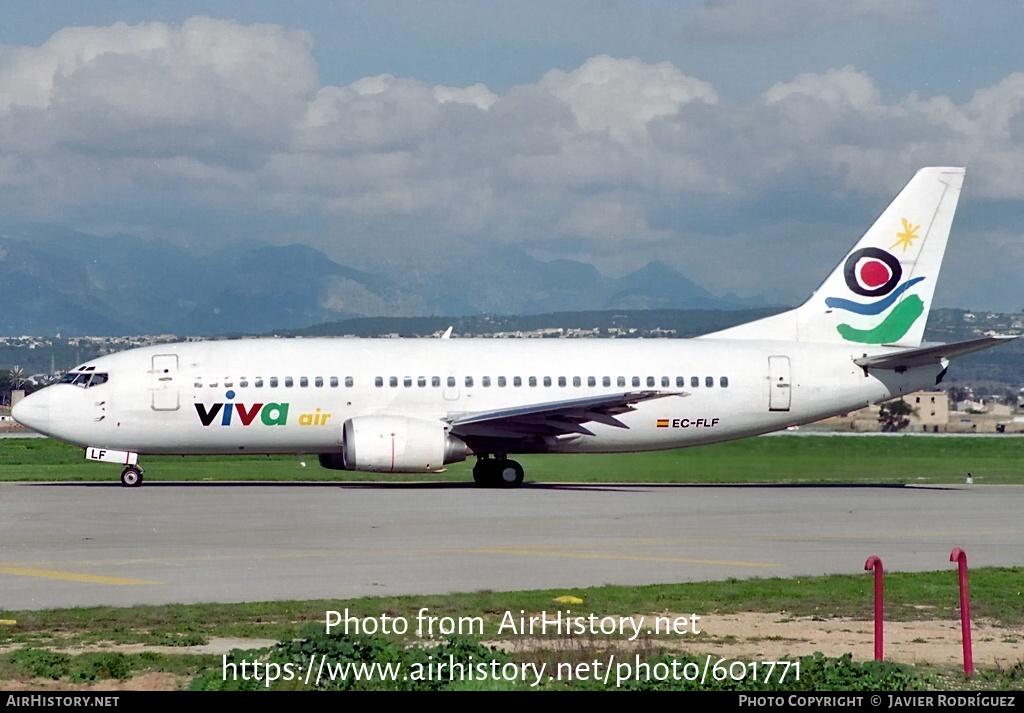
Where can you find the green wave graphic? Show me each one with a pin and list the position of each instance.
(892, 328)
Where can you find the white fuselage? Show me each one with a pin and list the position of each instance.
(294, 395)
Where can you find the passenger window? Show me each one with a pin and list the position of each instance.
(378, 381)
(407, 382)
(577, 381)
(469, 381)
(709, 381)
(561, 381)
(486, 381)
(723, 382)
(680, 382)
(198, 384)
(243, 383)
(665, 381)
(303, 382)
(547, 381)
(591, 381)
(228, 383)
(621, 381)
(636, 381)
(533, 381)
(319, 382)
(289, 382)
(435, 381)
(273, 382)
(517, 381)
(393, 381)
(421, 381)
(501, 381)
(451, 381)
(650, 381)
(606, 381)
(259, 382)
(349, 381)
(695, 381)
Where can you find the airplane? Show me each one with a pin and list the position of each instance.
(403, 406)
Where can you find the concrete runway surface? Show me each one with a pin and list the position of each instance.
(64, 545)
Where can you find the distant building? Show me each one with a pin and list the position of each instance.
(931, 411)
(931, 415)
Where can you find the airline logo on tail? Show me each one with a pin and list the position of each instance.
(877, 274)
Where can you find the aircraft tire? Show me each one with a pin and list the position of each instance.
(483, 473)
(509, 474)
(131, 477)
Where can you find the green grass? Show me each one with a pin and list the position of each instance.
(997, 595)
(775, 459)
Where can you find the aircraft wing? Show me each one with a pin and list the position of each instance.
(554, 418)
(933, 354)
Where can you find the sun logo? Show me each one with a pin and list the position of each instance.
(907, 237)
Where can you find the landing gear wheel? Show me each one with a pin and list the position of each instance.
(509, 474)
(131, 477)
(483, 473)
(497, 473)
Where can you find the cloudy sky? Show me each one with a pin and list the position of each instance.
(747, 143)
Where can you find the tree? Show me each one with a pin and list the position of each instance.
(895, 415)
(10, 380)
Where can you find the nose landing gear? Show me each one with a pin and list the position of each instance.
(131, 477)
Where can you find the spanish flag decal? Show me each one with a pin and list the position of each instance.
(662, 423)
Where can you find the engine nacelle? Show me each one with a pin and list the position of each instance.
(395, 444)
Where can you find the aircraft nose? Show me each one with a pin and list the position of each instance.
(33, 411)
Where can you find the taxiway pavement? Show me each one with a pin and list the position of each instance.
(64, 545)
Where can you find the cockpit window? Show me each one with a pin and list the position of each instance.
(84, 379)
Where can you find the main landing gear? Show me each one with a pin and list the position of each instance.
(497, 473)
(131, 477)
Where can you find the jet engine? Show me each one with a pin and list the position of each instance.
(395, 444)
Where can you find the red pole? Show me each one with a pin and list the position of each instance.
(960, 557)
(876, 564)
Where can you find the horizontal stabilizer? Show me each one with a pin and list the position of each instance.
(925, 355)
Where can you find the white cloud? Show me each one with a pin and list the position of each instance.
(136, 128)
(477, 95)
(622, 96)
(846, 88)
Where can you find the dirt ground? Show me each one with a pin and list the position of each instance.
(759, 636)
(748, 636)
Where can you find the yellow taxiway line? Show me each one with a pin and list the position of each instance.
(72, 576)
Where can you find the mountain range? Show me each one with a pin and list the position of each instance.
(56, 280)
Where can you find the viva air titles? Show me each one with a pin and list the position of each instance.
(269, 414)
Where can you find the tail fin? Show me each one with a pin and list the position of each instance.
(882, 290)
